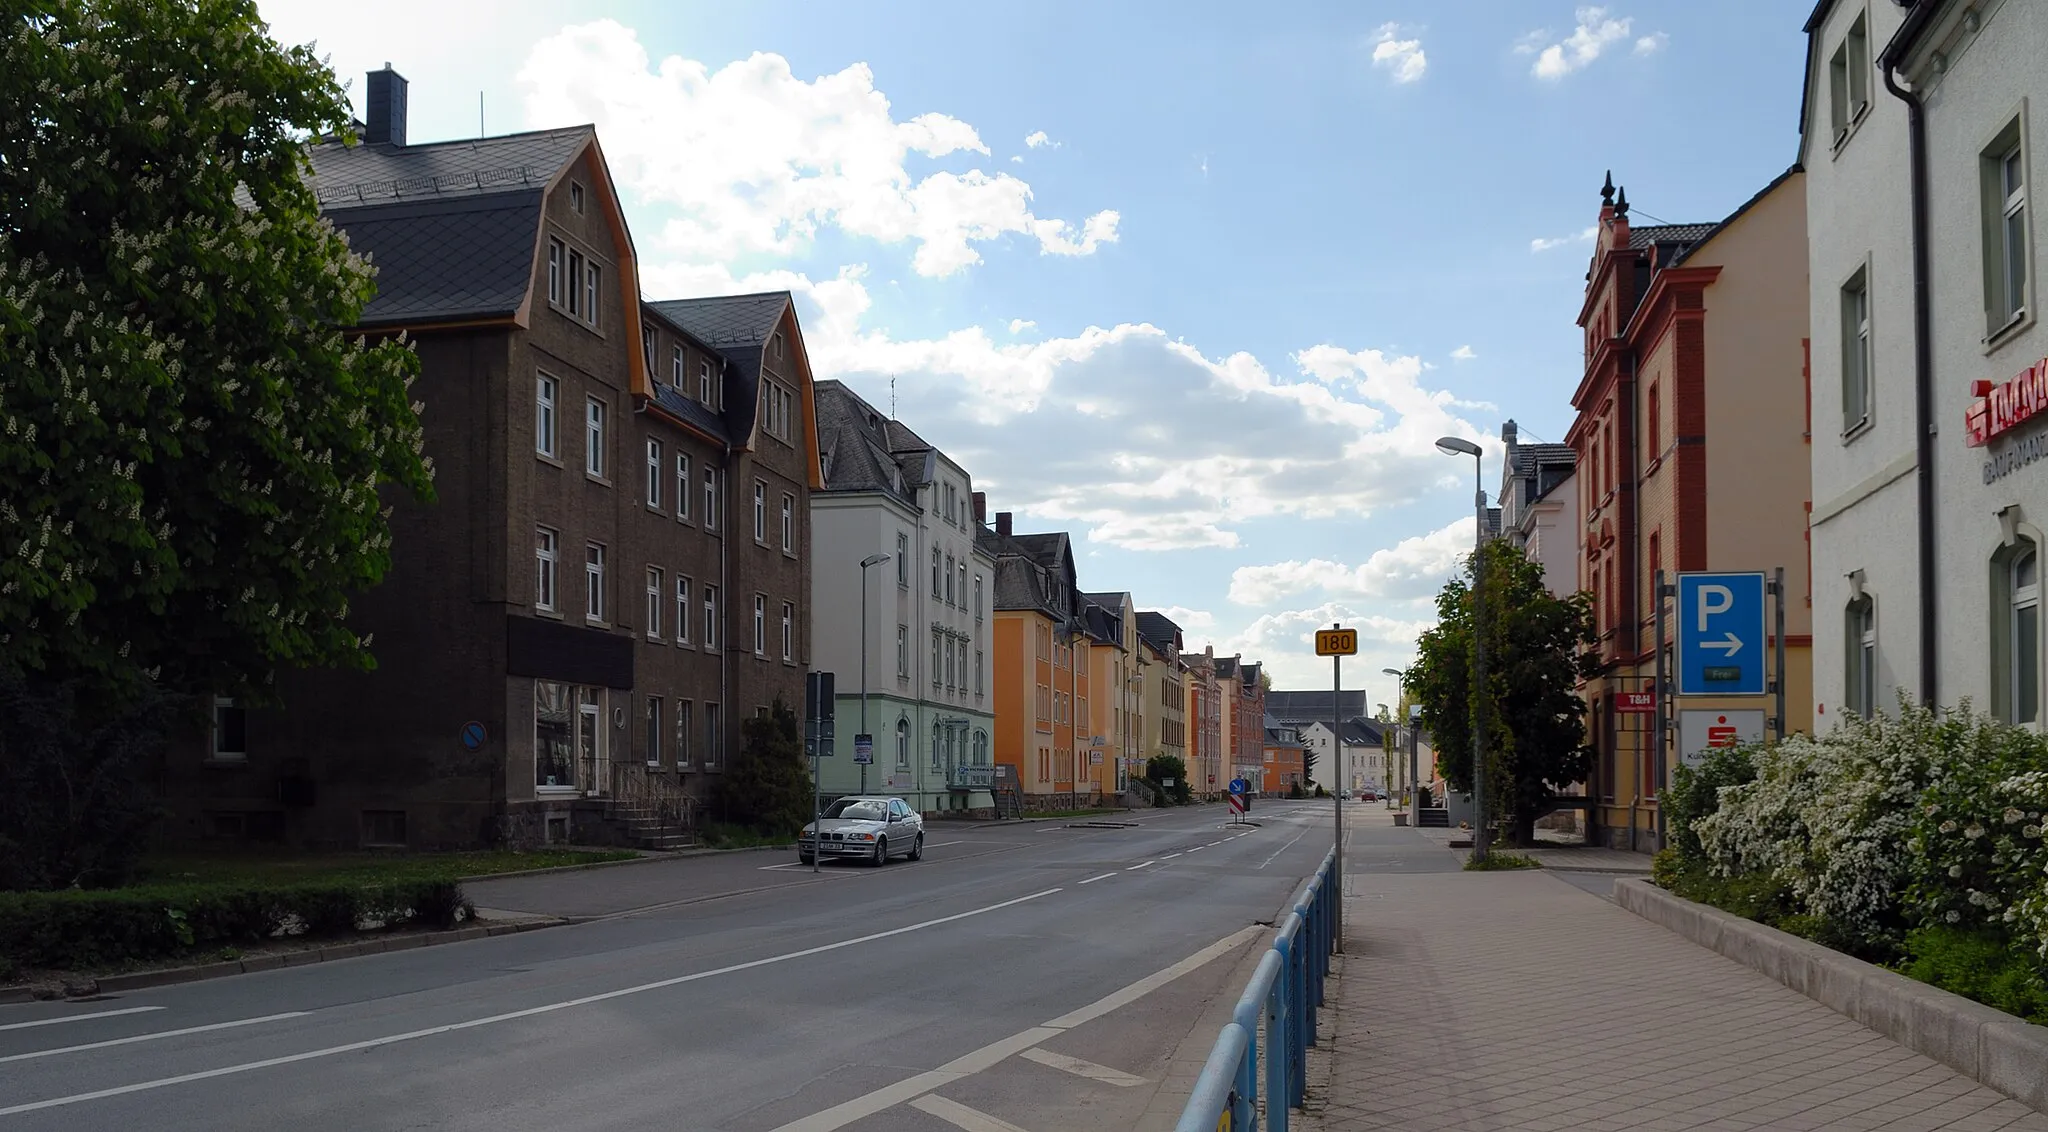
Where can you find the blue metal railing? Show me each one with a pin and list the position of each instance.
(1286, 990)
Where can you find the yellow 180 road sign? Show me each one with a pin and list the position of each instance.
(1336, 642)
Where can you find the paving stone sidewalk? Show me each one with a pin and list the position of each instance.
(1496, 1001)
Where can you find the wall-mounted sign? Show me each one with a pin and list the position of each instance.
(1998, 409)
(2022, 451)
(1700, 731)
(1635, 703)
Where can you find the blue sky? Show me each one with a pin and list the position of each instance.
(1260, 256)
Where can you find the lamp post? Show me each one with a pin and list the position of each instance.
(1414, 774)
(865, 563)
(1389, 784)
(1459, 446)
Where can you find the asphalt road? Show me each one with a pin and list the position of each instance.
(1033, 974)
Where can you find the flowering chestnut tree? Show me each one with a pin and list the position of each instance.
(195, 455)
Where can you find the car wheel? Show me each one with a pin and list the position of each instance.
(804, 858)
(917, 848)
(881, 856)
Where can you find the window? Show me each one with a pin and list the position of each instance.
(682, 610)
(657, 471)
(903, 652)
(683, 735)
(760, 511)
(576, 198)
(778, 410)
(789, 524)
(760, 625)
(704, 382)
(545, 391)
(938, 756)
(675, 367)
(556, 264)
(977, 673)
(777, 341)
(714, 735)
(593, 582)
(1856, 352)
(902, 744)
(2006, 256)
(657, 598)
(977, 597)
(710, 618)
(647, 344)
(710, 499)
(1860, 687)
(935, 658)
(1653, 424)
(590, 288)
(654, 731)
(949, 581)
(1849, 80)
(936, 567)
(554, 736)
(683, 486)
(960, 578)
(788, 631)
(546, 556)
(903, 560)
(230, 729)
(2023, 637)
(572, 285)
(593, 437)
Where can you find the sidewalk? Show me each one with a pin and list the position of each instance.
(1555, 854)
(1481, 1001)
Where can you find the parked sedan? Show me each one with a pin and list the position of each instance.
(866, 827)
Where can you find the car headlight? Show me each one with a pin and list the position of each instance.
(865, 836)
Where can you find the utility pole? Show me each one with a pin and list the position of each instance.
(1337, 642)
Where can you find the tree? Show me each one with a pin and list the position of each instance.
(1538, 648)
(1159, 769)
(195, 457)
(1308, 754)
(767, 788)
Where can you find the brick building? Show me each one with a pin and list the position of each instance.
(614, 572)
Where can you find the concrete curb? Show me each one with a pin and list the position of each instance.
(1988, 1046)
(140, 980)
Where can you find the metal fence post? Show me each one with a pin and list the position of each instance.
(1279, 1043)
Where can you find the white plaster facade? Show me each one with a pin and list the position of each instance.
(1364, 764)
(1976, 69)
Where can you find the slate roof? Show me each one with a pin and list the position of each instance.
(851, 443)
(450, 226)
(1640, 238)
(1314, 706)
(1157, 629)
(738, 327)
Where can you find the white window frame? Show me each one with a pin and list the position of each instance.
(950, 595)
(683, 486)
(760, 512)
(1861, 678)
(936, 677)
(903, 652)
(760, 624)
(977, 597)
(2023, 666)
(219, 752)
(593, 583)
(683, 720)
(592, 288)
(902, 744)
(788, 523)
(654, 730)
(557, 253)
(704, 390)
(596, 420)
(657, 600)
(657, 471)
(678, 362)
(710, 518)
(710, 618)
(2008, 233)
(714, 734)
(547, 556)
(1858, 388)
(788, 632)
(937, 584)
(547, 392)
(960, 582)
(902, 561)
(684, 610)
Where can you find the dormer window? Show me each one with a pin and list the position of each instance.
(576, 198)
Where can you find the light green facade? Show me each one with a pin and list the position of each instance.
(905, 765)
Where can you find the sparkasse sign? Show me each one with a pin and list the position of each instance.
(1998, 409)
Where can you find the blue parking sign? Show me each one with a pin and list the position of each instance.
(1721, 634)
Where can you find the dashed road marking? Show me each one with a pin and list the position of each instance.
(960, 1116)
(1092, 880)
(1135, 868)
(78, 1018)
(152, 1037)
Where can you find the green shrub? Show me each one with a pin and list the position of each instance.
(1695, 793)
(1978, 963)
(86, 928)
(1294, 791)
(1497, 862)
(1160, 768)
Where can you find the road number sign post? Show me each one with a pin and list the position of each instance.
(1337, 642)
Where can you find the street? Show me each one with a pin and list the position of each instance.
(1038, 974)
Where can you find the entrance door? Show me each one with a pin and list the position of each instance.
(590, 754)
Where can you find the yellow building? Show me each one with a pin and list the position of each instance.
(1110, 631)
(1163, 694)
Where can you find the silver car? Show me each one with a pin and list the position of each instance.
(867, 827)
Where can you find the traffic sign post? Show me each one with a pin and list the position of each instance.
(1337, 642)
(819, 697)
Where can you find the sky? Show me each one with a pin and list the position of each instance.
(1199, 283)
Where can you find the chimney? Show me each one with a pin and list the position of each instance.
(386, 108)
(1003, 523)
(1508, 433)
(981, 507)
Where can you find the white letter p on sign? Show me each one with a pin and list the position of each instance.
(1712, 600)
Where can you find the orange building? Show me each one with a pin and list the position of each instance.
(1040, 675)
(1283, 758)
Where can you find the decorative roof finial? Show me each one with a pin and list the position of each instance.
(1607, 189)
(1621, 203)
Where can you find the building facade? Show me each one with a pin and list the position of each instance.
(928, 708)
(1041, 665)
(571, 633)
(1539, 507)
(1927, 533)
(1691, 455)
(1280, 766)
(1114, 723)
(1209, 759)
(1362, 763)
(1164, 693)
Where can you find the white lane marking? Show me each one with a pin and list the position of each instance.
(1092, 880)
(911, 1088)
(529, 1012)
(943, 844)
(799, 865)
(78, 1018)
(149, 1038)
(1198, 848)
(1169, 856)
(1080, 1067)
(960, 1116)
(1135, 868)
(1285, 848)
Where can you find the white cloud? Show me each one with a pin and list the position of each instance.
(751, 160)
(1413, 569)
(1189, 620)
(1403, 57)
(1545, 243)
(1285, 643)
(1037, 138)
(1595, 33)
(1652, 43)
(1463, 354)
(1020, 325)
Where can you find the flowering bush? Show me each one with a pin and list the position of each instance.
(1978, 837)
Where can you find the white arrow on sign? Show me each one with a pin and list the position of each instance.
(1729, 646)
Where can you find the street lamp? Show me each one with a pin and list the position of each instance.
(865, 563)
(1459, 446)
(1414, 773)
(1389, 784)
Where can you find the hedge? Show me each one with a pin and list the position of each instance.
(89, 928)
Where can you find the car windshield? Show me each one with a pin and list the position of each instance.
(859, 809)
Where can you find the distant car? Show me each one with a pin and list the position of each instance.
(1369, 796)
(869, 827)
(1346, 795)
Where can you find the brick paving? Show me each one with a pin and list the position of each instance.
(1495, 1001)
